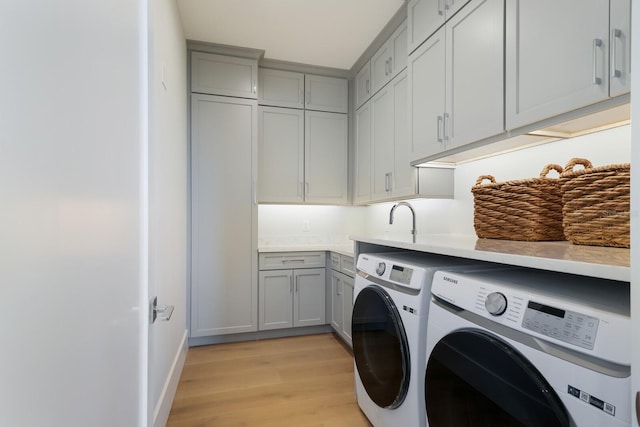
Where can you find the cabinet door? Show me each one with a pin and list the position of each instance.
(390, 59)
(399, 54)
(309, 297)
(426, 97)
(280, 155)
(223, 75)
(404, 178)
(380, 67)
(382, 132)
(620, 47)
(555, 69)
(223, 216)
(362, 193)
(275, 298)
(280, 88)
(325, 157)
(363, 85)
(336, 301)
(424, 18)
(474, 78)
(347, 307)
(326, 94)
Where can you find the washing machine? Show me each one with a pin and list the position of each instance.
(526, 347)
(389, 318)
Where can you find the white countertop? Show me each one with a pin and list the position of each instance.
(594, 261)
(343, 248)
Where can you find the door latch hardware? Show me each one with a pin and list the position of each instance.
(160, 312)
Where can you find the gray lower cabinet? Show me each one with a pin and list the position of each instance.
(342, 283)
(294, 297)
(224, 283)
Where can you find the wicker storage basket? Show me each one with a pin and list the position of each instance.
(596, 203)
(527, 210)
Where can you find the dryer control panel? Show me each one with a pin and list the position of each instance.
(588, 315)
(566, 325)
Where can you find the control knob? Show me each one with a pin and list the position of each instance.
(380, 268)
(496, 303)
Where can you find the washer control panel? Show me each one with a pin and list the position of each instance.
(392, 271)
(566, 325)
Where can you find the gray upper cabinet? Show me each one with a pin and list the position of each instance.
(363, 85)
(392, 175)
(426, 16)
(326, 94)
(362, 163)
(561, 69)
(620, 42)
(325, 154)
(426, 97)
(456, 81)
(390, 59)
(223, 75)
(280, 88)
(280, 155)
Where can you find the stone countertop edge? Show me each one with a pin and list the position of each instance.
(564, 257)
(343, 249)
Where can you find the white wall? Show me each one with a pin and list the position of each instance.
(456, 216)
(72, 224)
(284, 224)
(167, 204)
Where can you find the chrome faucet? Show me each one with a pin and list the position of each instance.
(413, 215)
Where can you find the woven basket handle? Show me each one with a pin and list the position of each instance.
(483, 177)
(549, 168)
(577, 161)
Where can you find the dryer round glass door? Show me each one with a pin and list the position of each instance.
(475, 379)
(380, 347)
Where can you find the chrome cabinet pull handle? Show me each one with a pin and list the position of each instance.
(616, 34)
(368, 86)
(596, 44)
(439, 126)
(445, 120)
(440, 8)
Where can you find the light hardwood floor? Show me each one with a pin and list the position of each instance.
(298, 381)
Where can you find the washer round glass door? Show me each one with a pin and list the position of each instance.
(380, 347)
(475, 379)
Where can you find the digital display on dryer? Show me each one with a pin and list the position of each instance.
(569, 326)
(546, 309)
(401, 274)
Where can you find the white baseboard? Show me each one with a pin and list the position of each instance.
(163, 406)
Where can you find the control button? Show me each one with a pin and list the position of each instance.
(380, 268)
(495, 303)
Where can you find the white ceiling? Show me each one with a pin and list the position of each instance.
(330, 33)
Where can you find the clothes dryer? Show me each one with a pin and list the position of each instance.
(528, 348)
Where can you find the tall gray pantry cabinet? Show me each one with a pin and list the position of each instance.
(224, 132)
